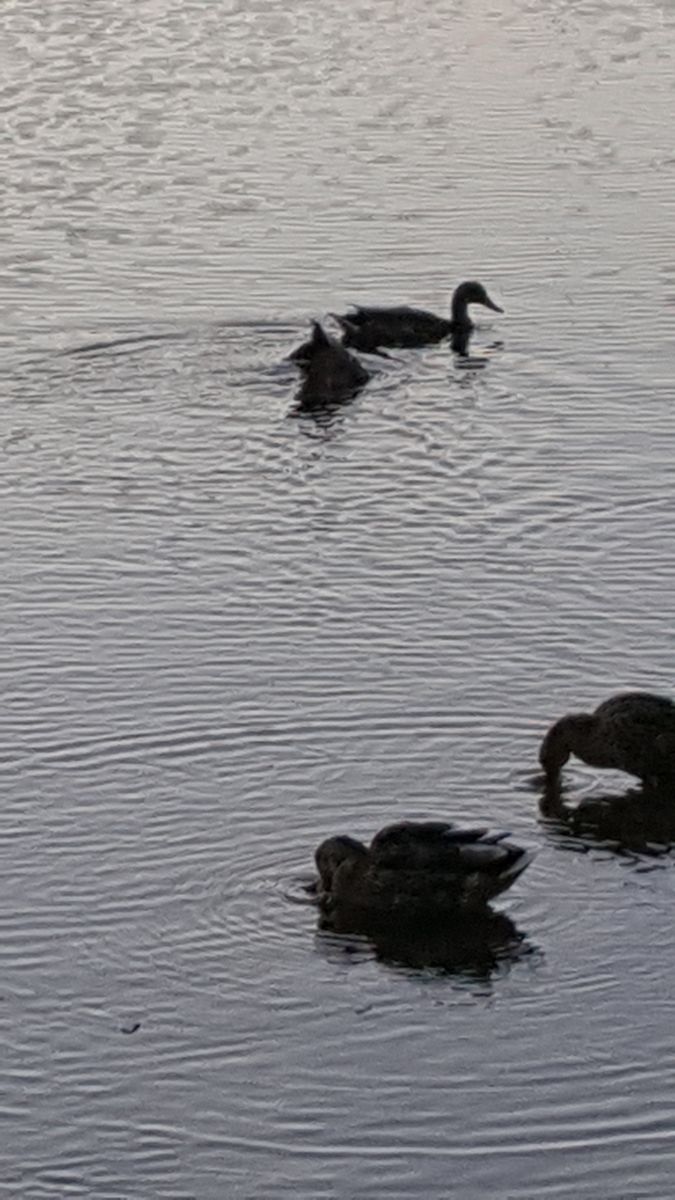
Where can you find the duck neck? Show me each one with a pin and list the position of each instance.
(586, 740)
(580, 734)
(460, 323)
(459, 311)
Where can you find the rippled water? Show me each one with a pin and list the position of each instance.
(228, 633)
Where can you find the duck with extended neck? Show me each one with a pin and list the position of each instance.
(632, 732)
(367, 329)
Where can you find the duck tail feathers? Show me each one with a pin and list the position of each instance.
(521, 860)
(319, 335)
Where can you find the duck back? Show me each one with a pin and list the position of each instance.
(368, 328)
(638, 731)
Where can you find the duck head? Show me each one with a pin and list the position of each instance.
(336, 852)
(472, 293)
(569, 735)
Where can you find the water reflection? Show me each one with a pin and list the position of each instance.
(640, 821)
(324, 413)
(472, 362)
(475, 945)
(137, 341)
(476, 362)
(221, 641)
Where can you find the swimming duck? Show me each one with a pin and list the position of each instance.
(367, 328)
(632, 732)
(414, 866)
(330, 372)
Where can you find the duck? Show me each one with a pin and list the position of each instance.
(632, 732)
(330, 373)
(433, 867)
(367, 329)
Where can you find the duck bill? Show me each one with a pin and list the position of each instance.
(491, 304)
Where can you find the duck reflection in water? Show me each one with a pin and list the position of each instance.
(482, 943)
(420, 892)
(331, 376)
(638, 821)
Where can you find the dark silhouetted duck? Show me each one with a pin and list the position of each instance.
(367, 328)
(634, 732)
(429, 866)
(330, 373)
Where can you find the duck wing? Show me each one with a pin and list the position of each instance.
(485, 870)
(393, 312)
(364, 314)
(438, 846)
(433, 864)
(399, 325)
(410, 834)
(485, 856)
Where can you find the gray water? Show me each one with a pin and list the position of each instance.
(229, 632)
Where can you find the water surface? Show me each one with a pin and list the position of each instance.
(229, 633)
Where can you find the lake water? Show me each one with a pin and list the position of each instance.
(228, 632)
